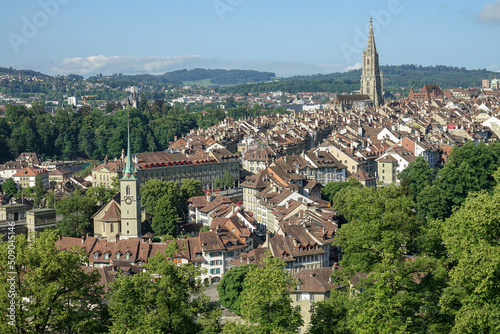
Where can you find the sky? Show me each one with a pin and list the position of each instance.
(288, 37)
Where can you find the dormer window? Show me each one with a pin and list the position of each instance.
(96, 255)
(127, 255)
(117, 255)
(106, 256)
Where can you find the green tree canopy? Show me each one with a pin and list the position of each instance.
(227, 181)
(332, 315)
(39, 191)
(190, 188)
(378, 222)
(9, 187)
(170, 301)
(231, 286)
(165, 217)
(332, 188)
(52, 292)
(418, 174)
(76, 211)
(265, 299)
(471, 236)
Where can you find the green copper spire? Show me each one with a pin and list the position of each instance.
(128, 173)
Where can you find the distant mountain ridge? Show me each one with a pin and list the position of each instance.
(215, 76)
(395, 77)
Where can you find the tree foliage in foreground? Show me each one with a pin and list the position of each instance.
(231, 286)
(265, 299)
(52, 292)
(76, 211)
(168, 298)
(472, 237)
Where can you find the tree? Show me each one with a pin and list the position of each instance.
(378, 222)
(217, 183)
(101, 194)
(265, 299)
(9, 187)
(332, 315)
(471, 236)
(52, 292)
(332, 188)
(52, 185)
(227, 181)
(231, 286)
(190, 188)
(431, 204)
(76, 211)
(400, 295)
(155, 189)
(165, 217)
(418, 174)
(39, 191)
(169, 303)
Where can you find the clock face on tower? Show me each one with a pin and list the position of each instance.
(128, 200)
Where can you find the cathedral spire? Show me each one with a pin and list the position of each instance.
(370, 47)
(371, 77)
(129, 168)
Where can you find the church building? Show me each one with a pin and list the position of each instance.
(120, 218)
(371, 77)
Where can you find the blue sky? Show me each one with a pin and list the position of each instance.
(287, 37)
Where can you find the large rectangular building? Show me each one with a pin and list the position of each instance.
(204, 167)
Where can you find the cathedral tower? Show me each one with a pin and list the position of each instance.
(130, 199)
(372, 78)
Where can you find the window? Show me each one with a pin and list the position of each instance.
(106, 256)
(127, 256)
(127, 191)
(312, 297)
(111, 228)
(297, 297)
(117, 255)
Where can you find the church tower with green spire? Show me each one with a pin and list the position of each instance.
(130, 199)
(372, 77)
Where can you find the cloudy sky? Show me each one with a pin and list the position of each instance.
(287, 37)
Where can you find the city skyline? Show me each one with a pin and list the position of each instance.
(288, 38)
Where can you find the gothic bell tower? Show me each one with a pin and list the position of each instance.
(130, 199)
(371, 77)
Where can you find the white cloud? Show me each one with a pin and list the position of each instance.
(356, 66)
(120, 64)
(156, 65)
(490, 13)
